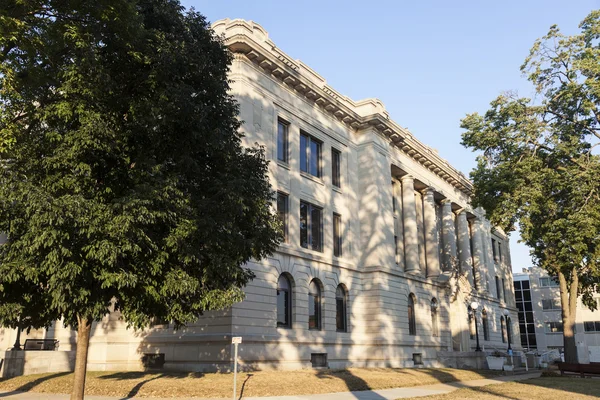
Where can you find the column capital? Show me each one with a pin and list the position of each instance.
(461, 211)
(428, 191)
(446, 203)
(407, 177)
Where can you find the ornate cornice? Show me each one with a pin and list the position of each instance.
(252, 40)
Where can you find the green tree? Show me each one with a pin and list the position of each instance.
(538, 166)
(123, 180)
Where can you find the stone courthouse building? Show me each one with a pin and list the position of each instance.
(383, 252)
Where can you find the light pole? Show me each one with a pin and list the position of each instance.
(474, 307)
(507, 315)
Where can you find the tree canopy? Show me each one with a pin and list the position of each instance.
(540, 167)
(122, 174)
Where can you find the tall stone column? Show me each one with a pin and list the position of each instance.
(399, 226)
(448, 234)
(478, 253)
(409, 217)
(490, 263)
(464, 245)
(432, 251)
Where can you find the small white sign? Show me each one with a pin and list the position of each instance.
(236, 340)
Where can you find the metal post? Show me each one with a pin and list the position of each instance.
(476, 332)
(17, 345)
(235, 371)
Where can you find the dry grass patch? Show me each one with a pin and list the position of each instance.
(555, 388)
(260, 383)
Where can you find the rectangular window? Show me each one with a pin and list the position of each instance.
(283, 311)
(554, 327)
(311, 226)
(591, 326)
(340, 314)
(337, 235)
(310, 155)
(504, 289)
(499, 251)
(394, 198)
(518, 295)
(549, 282)
(282, 140)
(282, 213)
(551, 304)
(498, 292)
(336, 157)
(494, 250)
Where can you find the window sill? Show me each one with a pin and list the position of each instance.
(312, 250)
(283, 164)
(337, 189)
(312, 178)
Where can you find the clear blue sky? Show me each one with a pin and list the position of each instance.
(430, 62)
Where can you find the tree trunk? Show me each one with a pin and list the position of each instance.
(83, 342)
(568, 301)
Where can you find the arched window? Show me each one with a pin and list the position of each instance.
(412, 323)
(503, 329)
(435, 329)
(484, 322)
(341, 322)
(284, 302)
(314, 305)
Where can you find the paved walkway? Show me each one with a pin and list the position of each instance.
(384, 394)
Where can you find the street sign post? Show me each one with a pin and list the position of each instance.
(235, 340)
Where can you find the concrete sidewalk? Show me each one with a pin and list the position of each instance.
(383, 394)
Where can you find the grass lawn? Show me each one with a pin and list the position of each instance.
(260, 383)
(547, 388)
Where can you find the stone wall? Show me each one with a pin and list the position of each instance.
(17, 363)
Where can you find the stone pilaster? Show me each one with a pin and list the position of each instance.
(464, 245)
(409, 217)
(432, 250)
(375, 209)
(448, 234)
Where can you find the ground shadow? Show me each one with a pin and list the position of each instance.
(135, 390)
(352, 382)
(572, 384)
(123, 376)
(30, 385)
(244, 386)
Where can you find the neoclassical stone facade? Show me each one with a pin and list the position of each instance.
(383, 251)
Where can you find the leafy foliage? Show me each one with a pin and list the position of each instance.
(539, 166)
(123, 175)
